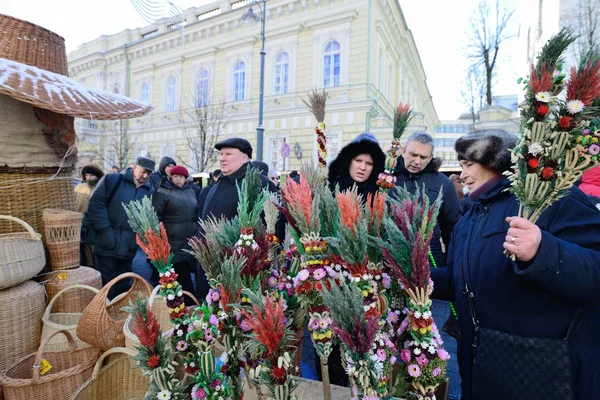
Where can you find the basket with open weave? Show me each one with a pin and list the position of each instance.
(101, 323)
(21, 254)
(24, 380)
(74, 301)
(63, 237)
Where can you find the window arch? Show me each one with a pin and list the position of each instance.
(171, 94)
(331, 64)
(281, 68)
(202, 88)
(145, 93)
(239, 81)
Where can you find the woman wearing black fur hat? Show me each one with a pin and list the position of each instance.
(359, 163)
(528, 328)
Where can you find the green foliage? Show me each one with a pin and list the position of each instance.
(345, 304)
(552, 52)
(352, 246)
(142, 216)
(251, 198)
(329, 211)
(231, 273)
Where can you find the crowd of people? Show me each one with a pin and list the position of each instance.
(548, 296)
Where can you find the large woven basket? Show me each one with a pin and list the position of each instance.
(158, 305)
(21, 310)
(54, 322)
(74, 301)
(26, 192)
(101, 325)
(70, 369)
(21, 254)
(63, 237)
(116, 381)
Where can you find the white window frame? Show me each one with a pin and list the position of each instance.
(202, 84)
(238, 81)
(168, 149)
(281, 73)
(110, 159)
(171, 94)
(145, 93)
(274, 143)
(334, 80)
(141, 150)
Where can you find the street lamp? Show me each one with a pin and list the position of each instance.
(250, 17)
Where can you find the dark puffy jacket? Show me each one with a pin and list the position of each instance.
(434, 181)
(535, 300)
(114, 236)
(339, 169)
(177, 209)
(158, 177)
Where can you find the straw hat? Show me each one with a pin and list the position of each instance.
(33, 69)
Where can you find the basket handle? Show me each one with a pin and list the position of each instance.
(23, 223)
(153, 296)
(191, 296)
(40, 353)
(107, 353)
(126, 275)
(51, 303)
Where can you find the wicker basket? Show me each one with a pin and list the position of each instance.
(21, 254)
(26, 192)
(70, 369)
(115, 381)
(63, 237)
(101, 325)
(158, 305)
(21, 310)
(74, 301)
(54, 322)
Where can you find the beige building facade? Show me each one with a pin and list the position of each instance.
(360, 51)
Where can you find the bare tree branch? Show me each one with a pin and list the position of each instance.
(474, 91)
(587, 25)
(203, 122)
(119, 150)
(489, 28)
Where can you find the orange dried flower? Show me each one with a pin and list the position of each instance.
(349, 209)
(157, 248)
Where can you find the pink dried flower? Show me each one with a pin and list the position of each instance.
(436, 371)
(381, 356)
(245, 325)
(405, 355)
(443, 355)
(414, 370)
(422, 360)
(319, 274)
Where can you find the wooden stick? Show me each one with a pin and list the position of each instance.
(326, 384)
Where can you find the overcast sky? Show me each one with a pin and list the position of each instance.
(440, 29)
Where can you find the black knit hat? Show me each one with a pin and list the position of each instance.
(488, 147)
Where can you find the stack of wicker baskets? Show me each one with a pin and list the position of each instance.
(63, 234)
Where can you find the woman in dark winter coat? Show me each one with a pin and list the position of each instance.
(176, 204)
(359, 163)
(518, 318)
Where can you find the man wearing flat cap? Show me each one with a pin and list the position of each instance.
(222, 199)
(115, 246)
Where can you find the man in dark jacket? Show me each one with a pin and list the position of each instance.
(115, 245)
(163, 173)
(417, 167)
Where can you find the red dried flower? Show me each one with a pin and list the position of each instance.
(542, 110)
(279, 374)
(547, 173)
(533, 163)
(153, 361)
(565, 122)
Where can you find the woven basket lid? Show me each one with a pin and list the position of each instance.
(33, 69)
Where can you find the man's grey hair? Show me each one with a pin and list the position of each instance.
(421, 137)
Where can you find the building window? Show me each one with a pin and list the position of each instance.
(168, 150)
(331, 64)
(171, 94)
(276, 160)
(110, 159)
(281, 73)
(141, 150)
(150, 34)
(333, 146)
(202, 88)
(390, 84)
(239, 80)
(145, 93)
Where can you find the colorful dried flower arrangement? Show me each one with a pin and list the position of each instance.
(270, 338)
(408, 228)
(154, 356)
(193, 335)
(301, 206)
(357, 333)
(402, 117)
(560, 136)
(316, 104)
